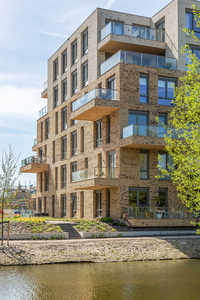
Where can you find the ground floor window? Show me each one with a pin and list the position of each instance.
(74, 204)
(82, 202)
(108, 203)
(138, 197)
(53, 206)
(162, 199)
(98, 204)
(64, 205)
(40, 205)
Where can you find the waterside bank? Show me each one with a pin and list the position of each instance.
(99, 250)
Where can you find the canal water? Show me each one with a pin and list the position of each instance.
(149, 280)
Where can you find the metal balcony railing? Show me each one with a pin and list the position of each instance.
(95, 94)
(45, 84)
(43, 112)
(96, 172)
(133, 31)
(164, 212)
(136, 58)
(33, 160)
(35, 142)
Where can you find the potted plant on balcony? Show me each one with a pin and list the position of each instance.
(159, 212)
(167, 65)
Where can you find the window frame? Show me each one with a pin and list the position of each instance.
(64, 205)
(64, 146)
(85, 49)
(197, 32)
(55, 72)
(64, 176)
(55, 96)
(74, 82)
(74, 204)
(64, 118)
(85, 74)
(166, 80)
(143, 95)
(162, 152)
(47, 134)
(147, 169)
(64, 61)
(74, 52)
(98, 133)
(64, 90)
(74, 143)
(46, 180)
(133, 189)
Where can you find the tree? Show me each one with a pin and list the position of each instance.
(183, 142)
(7, 179)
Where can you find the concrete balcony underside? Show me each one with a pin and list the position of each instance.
(44, 94)
(95, 109)
(34, 148)
(113, 43)
(34, 168)
(143, 142)
(96, 183)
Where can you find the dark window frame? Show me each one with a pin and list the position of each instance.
(64, 61)
(85, 41)
(147, 170)
(74, 143)
(85, 74)
(143, 95)
(55, 69)
(64, 118)
(64, 90)
(74, 82)
(98, 133)
(47, 134)
(64, 147)
(169, 99)
(64, 176)
(74, 52)
(55, 96)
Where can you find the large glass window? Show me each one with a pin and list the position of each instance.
(194, 50)
(140, 120)
(191, 24)
(85, 74)
(166, 90)
(164, 162)
(161, 123)
(162, 197)
(111, 164)
(85, 42)
(98, 133)
(143, 88)
(47, 128)
(64, 90)
(40, 204)
(144, 164)
(98, 204)
(46, 180)
(111, 83)
(108, 129)
(74, 143)
(74, 204)
(160, 33)
(55, 96)
(64, 118)
(74, 52)
(82, 203)
(53, 206)
(64, 206)
(64, 147)
(138, 197)
(64, 61)
(74, 82)
(64, 176)
(74, 166)
(56, 123)
(82, 139)
(56, 69)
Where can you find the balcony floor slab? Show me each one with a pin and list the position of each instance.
(143, 142)
(34, 168)
(95, 183)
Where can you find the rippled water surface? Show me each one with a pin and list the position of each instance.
(171, 280)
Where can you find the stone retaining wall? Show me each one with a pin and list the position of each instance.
(99, 250)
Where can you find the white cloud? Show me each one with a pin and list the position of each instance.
(53, 34)
(109, 4)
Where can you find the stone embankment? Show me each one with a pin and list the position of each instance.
(99, 250)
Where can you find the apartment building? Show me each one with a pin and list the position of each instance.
(98, 140)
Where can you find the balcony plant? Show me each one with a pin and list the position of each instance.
(167, 65)
(159, 212)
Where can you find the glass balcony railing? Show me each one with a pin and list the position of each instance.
(43, 112)
(33, 160)
(35, 142)
(133, 31)
(95, 94)
(163, 212)
(45, 84)
(96, 172)
(141, 59)
(152, 131)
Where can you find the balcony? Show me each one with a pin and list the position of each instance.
(140, 59)
(34, 164)
(45, 86)
(95, 178)
(95, 104)
(43, 112)
(115, 36)
(145, 137)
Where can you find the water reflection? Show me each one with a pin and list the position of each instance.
(171, 280)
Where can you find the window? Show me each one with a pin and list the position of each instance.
(116, 27)
(144, 164)
(111, 83)
(74, 166)
(41, 131)
(56, 69)
(194, 50)
(166, 91)
(160, 35)
(64, 147)
(55, 92)
(56, 178)
(164, 162)
(144, 88)
(74, 52)
(64, 176)
(98, 133)
(46, 180)
(45, 204)
(74, 82)
(138, 197)
(74, 204)
(74, 143)
(163, 197)
(82, 139)
(53, 151)
(53, 206)
(140, 122)
(64, 118)
(162, 122)
(85, 74)
(41, 182)
(98, 203)
(108, 129)
(190, 23)
(108, 203)
(41, 152)
(85, 42)
(82, 204)
(64, 206)
(64, 61)
(73, 122)
(47, 128)
(111, 164)
(40, 204)
(86, 163)
(56, 123)
(64, 90)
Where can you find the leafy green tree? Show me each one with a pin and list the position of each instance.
(7, 179)
(183, 142)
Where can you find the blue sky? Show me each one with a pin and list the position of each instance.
(31, 31)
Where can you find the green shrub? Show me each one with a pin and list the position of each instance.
(93, 236)
(107, 220)
(120, 235)
(102, 235)
(35, 237)
(120, 224)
